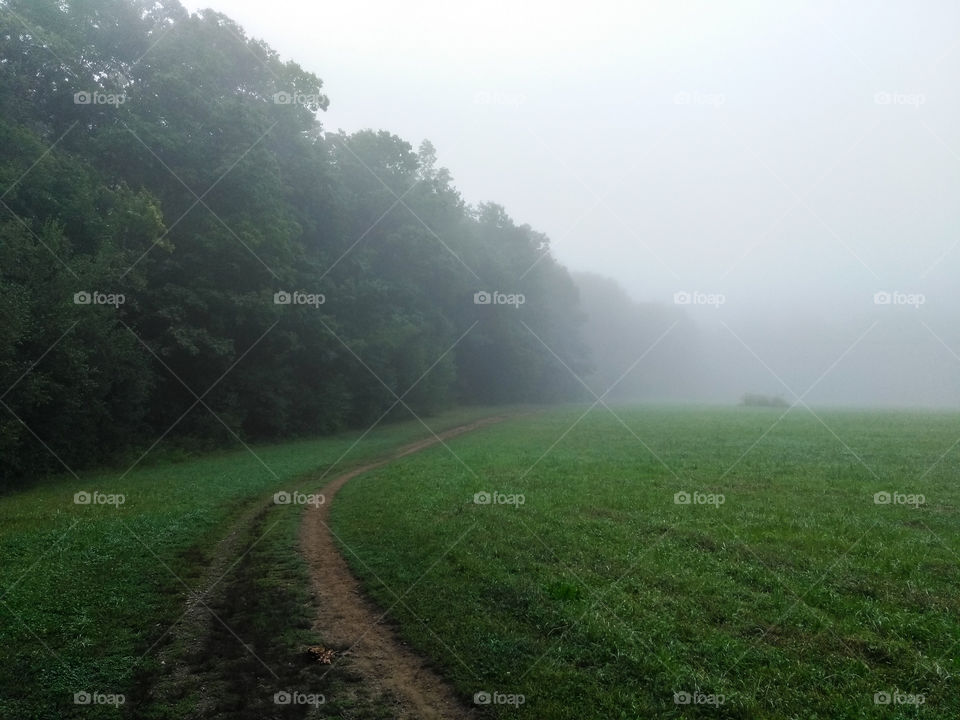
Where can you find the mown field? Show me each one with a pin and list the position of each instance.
(802, 594)
(92, 596)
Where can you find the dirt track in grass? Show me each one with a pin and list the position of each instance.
(351, 625)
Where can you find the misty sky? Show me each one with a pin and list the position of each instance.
(796, 158)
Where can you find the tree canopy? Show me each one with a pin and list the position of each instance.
(186, 253)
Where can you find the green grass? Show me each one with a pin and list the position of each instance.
(88, 593)
(599, 597)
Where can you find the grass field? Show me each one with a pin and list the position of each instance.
(89, 593)
(601, 596)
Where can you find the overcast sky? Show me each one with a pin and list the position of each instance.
(795, 157)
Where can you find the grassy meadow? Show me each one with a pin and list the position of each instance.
(90, 594)
(579, 578)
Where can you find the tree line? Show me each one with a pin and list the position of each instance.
(186, 253)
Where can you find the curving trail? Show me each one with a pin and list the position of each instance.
(348, 621)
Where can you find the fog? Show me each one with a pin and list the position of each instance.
(789, 169)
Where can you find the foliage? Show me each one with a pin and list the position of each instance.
(169, 158)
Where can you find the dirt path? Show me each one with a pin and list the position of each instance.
(346, 619)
